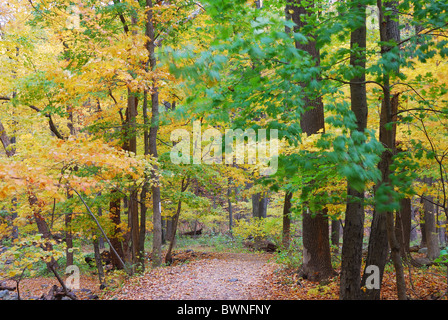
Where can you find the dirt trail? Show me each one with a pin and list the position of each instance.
(229, 276)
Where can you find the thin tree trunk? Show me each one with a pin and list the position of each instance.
(134, 225)
(42, 226)
(7, 145)
(43, 229)
(168, 256)
(286, 233)
(98, 262)
(115, 209)
(229, 202)
(335, 234)
(403, 226)
(432, 241)
(68, 238)
(157, 216)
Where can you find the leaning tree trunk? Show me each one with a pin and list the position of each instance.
(41, 224)
(168, 256)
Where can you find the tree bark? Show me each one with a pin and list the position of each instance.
(316, 243)
(335, 234)
(259, 205)
(42, 225)
(6, 141)
(115, 209)
(98, 262)
(389, 31)
(351, 257)
(172, 235)
(229, 203)
(316, 249)
(157, 216)
(286, 233)
(403, 226)
(432, 239)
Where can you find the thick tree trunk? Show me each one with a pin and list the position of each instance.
(351, 258)
(259, 205)
(316, 243)
(389, 31)
(403, 226)
(316, 249)
(130, 145)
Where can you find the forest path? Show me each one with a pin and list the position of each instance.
(223, 276)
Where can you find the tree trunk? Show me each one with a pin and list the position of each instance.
(42, 225)
(152, 138)
(403, 226)
(286, 233)
(335, 234)
(68, 239)
(115, 204)
(351, 257)
(316, 243)
(172, 235)
(7, 145)
(98, 262)
(432, 241)
(43, 229)
(316, 249)
(229, 202)
(130, 145)
(389, 31)
(172, 239)
(142, 229)
(259, 205)
(133, 222)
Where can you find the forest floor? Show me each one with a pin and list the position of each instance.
(256, 276)
(210, 275)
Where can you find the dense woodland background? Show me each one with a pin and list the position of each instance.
(91, 91)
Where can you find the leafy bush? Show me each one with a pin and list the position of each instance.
(259, 228)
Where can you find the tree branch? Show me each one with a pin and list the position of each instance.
(354, 82)
(101, 229)
(53, 127)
